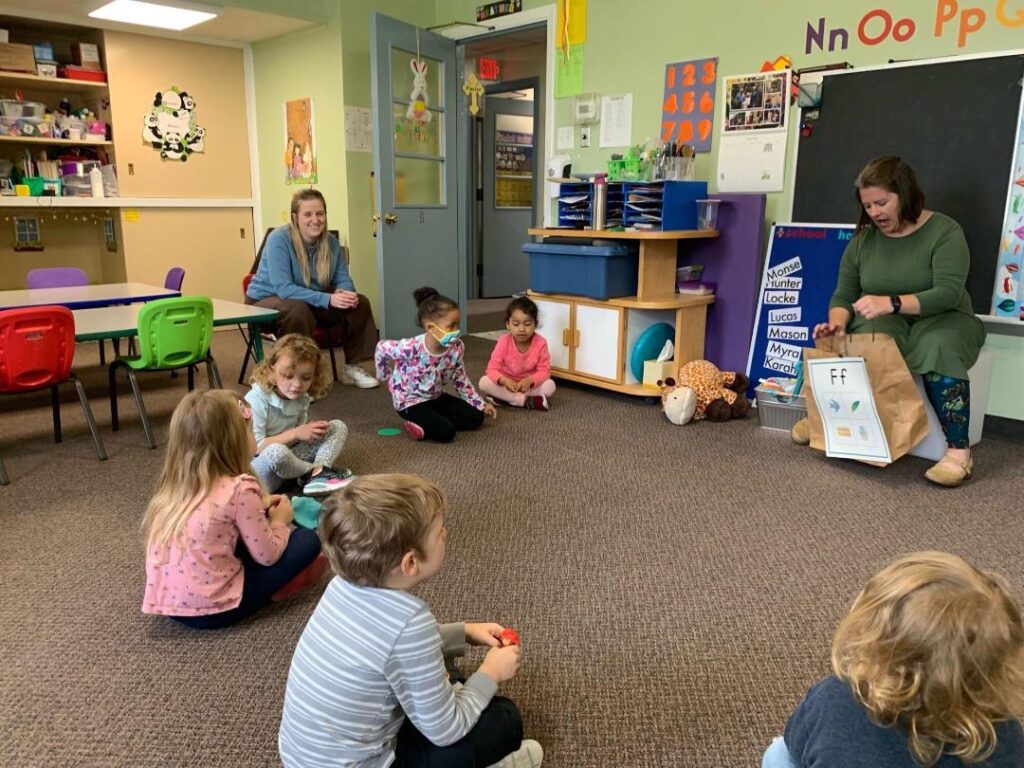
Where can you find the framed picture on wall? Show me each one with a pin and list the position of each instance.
(300, 142)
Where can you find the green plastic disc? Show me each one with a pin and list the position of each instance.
(389, 431)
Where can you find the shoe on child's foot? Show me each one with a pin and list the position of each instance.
(413, 430)
(327, 480)
(536, 403)
(357, 377)
(307, 577)
(529, 755)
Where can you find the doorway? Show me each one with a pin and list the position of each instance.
(507, 167)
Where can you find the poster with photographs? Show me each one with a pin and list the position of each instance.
(755, 102)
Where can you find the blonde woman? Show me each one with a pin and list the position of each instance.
(302, 274)
(929, 671)
(217, 547)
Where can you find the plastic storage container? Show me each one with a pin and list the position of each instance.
(29, 127)
(15, 108)
(776, 411)
(598, 271)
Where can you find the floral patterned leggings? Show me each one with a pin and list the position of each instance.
(951, 399)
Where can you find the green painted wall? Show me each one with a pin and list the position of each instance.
(745, 33)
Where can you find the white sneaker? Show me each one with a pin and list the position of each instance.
(529, 755)
(356, 376)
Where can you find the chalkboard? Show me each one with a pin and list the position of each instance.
(954, 121)
(799, 277)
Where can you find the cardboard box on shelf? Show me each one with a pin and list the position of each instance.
(81, 73)
(17, 58)
(46, 68)
(87, 56)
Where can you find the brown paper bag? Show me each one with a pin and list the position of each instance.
(897, 398)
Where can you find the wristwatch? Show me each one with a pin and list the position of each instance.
(897, 303)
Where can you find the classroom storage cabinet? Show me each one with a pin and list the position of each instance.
(649, 205)
(584, 338)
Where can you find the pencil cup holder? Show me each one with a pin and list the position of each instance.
(707, 214)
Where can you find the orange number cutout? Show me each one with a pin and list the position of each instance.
(706, 102)
(689, 75)
(670, 104)
(709, 72)
(688, 102)
(704, 129)
(670, 78)
(667, 127)
(686, 130)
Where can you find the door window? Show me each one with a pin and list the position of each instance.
(513, 161)
(418, 129)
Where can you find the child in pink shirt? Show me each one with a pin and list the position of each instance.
(519, 372)
(218, 547)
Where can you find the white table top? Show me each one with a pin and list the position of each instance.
(122, 320)
(84, 296)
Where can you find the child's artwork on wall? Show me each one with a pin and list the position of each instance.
(26, 234)
(1008, 296)
(171, 126)
(300, 142)
(688, 109)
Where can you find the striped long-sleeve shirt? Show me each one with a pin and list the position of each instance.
(368, 658)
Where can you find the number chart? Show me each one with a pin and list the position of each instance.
(688, 110)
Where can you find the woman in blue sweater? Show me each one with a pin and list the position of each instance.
(303, 275)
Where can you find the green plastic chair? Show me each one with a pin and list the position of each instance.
(173, 333)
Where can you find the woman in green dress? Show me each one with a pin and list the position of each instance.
(904, 274)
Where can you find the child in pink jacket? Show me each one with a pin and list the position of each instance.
(519, 372)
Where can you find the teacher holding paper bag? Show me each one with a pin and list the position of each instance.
(303, 275)
(904, 274)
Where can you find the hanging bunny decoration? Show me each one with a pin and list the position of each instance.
(418, 112)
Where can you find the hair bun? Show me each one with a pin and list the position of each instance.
(422, 294)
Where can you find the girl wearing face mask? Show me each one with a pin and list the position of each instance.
(417, 370)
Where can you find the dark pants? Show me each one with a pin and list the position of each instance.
(497, 733)
(443, 417)
(351, 329)
(260, 582)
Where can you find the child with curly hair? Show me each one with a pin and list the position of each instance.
(288, 445)
(929, 670)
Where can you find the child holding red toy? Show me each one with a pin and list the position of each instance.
(368, 683)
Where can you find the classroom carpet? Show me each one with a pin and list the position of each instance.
(675, 588)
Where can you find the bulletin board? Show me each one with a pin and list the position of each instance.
(954, 120)
(799, 277)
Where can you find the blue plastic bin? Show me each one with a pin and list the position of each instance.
(598, 271)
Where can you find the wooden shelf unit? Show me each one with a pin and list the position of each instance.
(656, 290)
(59, 85)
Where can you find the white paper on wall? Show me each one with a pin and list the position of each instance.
(358, 129)
(616, 120)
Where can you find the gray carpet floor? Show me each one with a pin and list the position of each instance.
(676, 588)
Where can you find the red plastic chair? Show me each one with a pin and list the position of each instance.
(321, 336)
(37, 345)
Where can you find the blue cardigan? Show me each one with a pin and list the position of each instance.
(279, 275)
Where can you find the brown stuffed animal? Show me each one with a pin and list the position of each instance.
(704, 392)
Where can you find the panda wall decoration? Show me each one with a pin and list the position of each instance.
(171, 127)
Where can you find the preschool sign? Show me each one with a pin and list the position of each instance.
(951, 18)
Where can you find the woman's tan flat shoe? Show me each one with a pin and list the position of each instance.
(801, 432)
(950, 472)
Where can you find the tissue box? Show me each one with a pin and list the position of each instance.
(655, 371)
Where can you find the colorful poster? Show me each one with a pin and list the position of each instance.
(843, 397)
(688, 108)
(1008, 295)
(300, 142)
(755, 102)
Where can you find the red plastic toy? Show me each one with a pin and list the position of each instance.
(508, 637)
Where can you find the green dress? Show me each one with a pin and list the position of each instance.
(931, 263)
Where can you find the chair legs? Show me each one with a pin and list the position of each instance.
(143, 416)
(83, 398)
(213, 373)
(4, 479)
(334, 363)
(55, 405)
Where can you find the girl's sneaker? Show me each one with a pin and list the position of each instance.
(327, 481)
(536, 403)
(413, 430)
(529, 755)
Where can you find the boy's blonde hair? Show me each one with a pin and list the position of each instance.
(208, 440)
(367, 527)
(935, 646)
(298, 349)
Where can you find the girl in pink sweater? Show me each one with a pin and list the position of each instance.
(519, 372)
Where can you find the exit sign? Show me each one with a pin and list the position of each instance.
(488, 69)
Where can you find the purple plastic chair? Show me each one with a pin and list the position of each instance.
(175, 277)
(56, 277)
